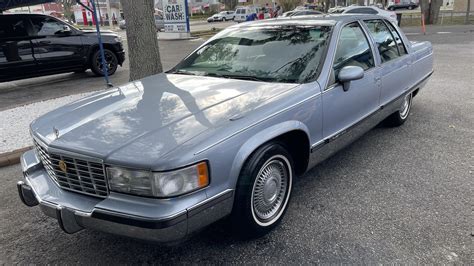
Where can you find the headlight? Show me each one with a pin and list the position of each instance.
(158, 184)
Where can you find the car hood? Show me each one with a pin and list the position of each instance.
(151, 117)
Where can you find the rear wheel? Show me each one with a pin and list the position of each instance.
(263, 191)
(398, 118)
(110, 59)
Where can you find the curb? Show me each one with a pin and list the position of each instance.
(13, 157)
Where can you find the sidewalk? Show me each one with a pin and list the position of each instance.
(15, 123)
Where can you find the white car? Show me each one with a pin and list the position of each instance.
(392, 16)
(222, 16)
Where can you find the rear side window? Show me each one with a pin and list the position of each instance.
(398, 39)
(352, 50)
(385, 41)
(12, 27)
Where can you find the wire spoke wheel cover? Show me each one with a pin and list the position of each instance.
(406, 105)
(271, 190)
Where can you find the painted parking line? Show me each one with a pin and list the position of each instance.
(412, 33)
(443, 32)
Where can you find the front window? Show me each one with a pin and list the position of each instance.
(352, 50)
(289, 54)
(45, 26)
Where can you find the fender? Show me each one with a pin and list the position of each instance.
(258, 140)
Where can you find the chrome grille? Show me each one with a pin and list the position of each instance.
(81, 175)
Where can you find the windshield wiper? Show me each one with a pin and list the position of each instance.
(183, 72)
(244, 77)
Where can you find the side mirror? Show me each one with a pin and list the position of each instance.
(66, 30)
(348, 74)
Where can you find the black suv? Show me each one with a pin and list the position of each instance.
(33, 45)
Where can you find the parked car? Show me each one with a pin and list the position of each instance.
(226, 131)
(302, 13)
(409, 5)
(241, 13)
(221, 16)
(288, 13)
(34, 45)
(373, 10)
(159, 23)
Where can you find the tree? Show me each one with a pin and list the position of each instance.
(67, 6)
(468, 9)
(288, 5)
(430, 10)
(230, 4)
(143, 51)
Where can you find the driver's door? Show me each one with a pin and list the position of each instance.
(55, 45)
(342, 109)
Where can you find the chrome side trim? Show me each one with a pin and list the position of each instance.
(330, 145)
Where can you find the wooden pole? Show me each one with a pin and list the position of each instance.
(423, 23)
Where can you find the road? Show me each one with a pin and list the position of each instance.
(397, 195)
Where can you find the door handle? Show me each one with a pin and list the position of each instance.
(377, 79)
(44, 42)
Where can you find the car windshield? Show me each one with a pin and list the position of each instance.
(289, 54)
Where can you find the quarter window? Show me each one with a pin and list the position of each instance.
(352, 50)
(385, 42)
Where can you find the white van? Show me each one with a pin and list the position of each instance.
(242, 12)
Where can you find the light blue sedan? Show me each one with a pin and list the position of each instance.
(226, 131)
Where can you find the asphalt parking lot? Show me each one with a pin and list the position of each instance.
(397, 195)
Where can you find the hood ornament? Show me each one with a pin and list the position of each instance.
(56, 132)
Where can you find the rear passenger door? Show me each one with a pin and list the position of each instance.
(394, 60)
(16, 53)
(342, 109)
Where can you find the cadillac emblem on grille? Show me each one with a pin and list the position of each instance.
(62, 165)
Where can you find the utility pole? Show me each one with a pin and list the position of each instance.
(111, 24)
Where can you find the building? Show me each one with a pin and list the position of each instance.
(461, 5)
(84, 17)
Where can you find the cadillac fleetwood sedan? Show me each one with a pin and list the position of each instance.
(226, 131)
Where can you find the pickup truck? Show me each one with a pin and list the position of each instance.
(33, 45)
(226, 131)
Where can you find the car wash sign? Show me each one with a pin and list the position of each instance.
(175, 15)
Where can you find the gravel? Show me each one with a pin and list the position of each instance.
(15, 122)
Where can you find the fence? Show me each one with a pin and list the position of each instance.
(446, 17)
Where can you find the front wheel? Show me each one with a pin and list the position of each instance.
(110, 60)
(223, 19)
(263, 191)
(398, 118)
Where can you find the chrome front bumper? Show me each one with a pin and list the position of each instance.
(160, 220)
